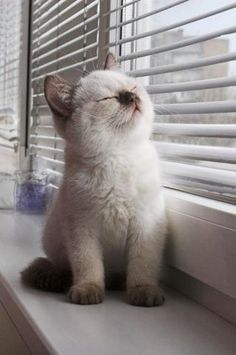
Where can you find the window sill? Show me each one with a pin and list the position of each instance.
(202, 249)
(214, 211)
(49, 325)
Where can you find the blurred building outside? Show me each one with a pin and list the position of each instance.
(188, 54)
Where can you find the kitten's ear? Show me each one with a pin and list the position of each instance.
(58, 93)
(111, 62)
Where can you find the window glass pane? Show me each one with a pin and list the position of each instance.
(10, 40)
(184, 52)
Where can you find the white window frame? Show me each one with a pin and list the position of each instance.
(24, 86)
(21, 85)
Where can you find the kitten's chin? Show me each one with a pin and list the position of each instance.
(136, 115)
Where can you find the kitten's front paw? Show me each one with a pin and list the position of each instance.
(145, 296)
(86, 294)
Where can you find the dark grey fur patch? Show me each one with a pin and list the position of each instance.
(43, 275)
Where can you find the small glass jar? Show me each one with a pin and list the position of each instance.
(32, 193)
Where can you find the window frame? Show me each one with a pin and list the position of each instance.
(25, 86)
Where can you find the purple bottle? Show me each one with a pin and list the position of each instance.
(31, 191)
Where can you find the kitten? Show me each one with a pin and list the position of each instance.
(109, 215)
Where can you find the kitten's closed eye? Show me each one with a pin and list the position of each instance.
(107, 98)
(113, 97)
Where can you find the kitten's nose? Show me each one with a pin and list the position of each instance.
(127, 97)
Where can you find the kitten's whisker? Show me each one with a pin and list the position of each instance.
(94, 68)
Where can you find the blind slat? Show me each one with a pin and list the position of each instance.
(185, 108)
(196, 108)
(147, 14)
(194, 172)
(179, 44)
(120, 7)
(54, 172)
(51, 138)
(198, 152)
(192, 85)
(50, 127)
(196, 130)
(169, 68)
(51, 161)
(37, 148)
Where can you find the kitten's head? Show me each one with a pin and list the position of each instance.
(103, 108)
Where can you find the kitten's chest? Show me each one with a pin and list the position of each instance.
(116, 206)
(114, 217)
(115, 190)
(124, 185)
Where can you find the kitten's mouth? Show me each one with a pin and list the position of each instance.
(136, 108)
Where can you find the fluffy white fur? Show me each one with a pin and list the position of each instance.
(109, 213)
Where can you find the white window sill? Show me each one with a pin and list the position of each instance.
(49, 325)
(202, 245)
(218, 212)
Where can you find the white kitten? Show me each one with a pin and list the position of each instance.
(109, 216)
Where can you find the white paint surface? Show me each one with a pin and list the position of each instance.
(49, 325)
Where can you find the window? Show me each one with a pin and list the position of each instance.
(185, 56)
(65, 37)
(10, 42)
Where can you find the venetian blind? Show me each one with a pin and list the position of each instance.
(67, 38)
(184, 52)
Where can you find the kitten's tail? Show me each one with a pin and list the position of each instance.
(43, 275)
